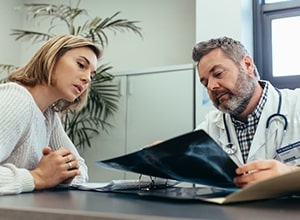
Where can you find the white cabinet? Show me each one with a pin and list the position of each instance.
(202, 102)
(154, 105)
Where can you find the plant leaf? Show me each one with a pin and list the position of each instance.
(103, 97)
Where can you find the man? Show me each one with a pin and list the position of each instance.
(262, 146)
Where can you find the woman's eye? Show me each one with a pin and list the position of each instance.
(80, 65)
(93, 75)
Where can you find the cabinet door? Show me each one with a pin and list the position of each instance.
(160, 106)
(110, 144)
(203, 105)
(152, 106)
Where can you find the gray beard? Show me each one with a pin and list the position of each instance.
(237, 103)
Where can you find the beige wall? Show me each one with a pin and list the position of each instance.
(216, 18)
(168, 28)
(9, 49)
(232, 18)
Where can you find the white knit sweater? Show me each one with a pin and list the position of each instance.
(25, 131)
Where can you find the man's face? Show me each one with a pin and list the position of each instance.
(230, 87)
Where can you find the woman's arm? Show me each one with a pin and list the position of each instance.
(14, 123)
(59, 139)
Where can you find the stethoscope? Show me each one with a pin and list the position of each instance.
(231, 149)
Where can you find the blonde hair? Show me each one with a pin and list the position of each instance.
(40, 68)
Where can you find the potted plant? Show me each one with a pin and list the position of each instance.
(103, 99)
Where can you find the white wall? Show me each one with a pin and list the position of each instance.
(168, 28)
(9, 49)
(216, 18)
(232, 18)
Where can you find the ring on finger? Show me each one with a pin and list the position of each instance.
(69, 158)
(70, 165)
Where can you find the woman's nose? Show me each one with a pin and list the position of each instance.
(86, 78)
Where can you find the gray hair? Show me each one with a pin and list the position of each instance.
(233, 49)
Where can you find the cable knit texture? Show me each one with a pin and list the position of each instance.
(25, 131)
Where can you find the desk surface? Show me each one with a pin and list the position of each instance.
(73, 204)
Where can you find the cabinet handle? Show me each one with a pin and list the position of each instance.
(129, 86)
(122, 88)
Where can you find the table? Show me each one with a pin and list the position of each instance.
(89, 205)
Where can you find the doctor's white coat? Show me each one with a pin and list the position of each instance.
(265, 141)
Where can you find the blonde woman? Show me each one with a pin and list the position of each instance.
(35, 151)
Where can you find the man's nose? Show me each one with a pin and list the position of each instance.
(212, 85)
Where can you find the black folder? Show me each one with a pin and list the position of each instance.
(192, 157)
(195, 157)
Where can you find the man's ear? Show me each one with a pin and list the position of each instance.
(249, 65)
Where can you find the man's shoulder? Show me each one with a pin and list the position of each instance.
(212, 118)
(214, 114)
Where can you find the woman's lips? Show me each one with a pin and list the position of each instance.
(79, 88)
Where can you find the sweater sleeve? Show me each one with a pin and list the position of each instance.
(15, 106)
(58, 139)
(15, 180)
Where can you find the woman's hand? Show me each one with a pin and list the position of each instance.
(55, 167)
(259, 170)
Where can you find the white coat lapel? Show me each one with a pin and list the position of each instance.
(271, 134)
(223, 139)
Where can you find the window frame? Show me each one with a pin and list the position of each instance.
(263, 14)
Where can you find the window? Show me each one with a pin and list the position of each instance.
(277, 41)
(274, 1)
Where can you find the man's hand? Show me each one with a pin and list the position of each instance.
(55, 167)
(259, 170)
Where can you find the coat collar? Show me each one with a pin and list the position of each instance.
(259, 140)
(262, 135)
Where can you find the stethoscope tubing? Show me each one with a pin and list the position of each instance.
(231, 149)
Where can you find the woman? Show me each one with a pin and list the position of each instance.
(35, 151)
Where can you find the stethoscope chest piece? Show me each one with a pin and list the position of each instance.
(230, 149)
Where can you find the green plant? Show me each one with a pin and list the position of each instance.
(103, 99)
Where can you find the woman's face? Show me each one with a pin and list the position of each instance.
(73, 73)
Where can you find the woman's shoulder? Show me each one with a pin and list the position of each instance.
(15, 98)
(12, 86)
(12, 91)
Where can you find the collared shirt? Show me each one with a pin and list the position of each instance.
(245, 131)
